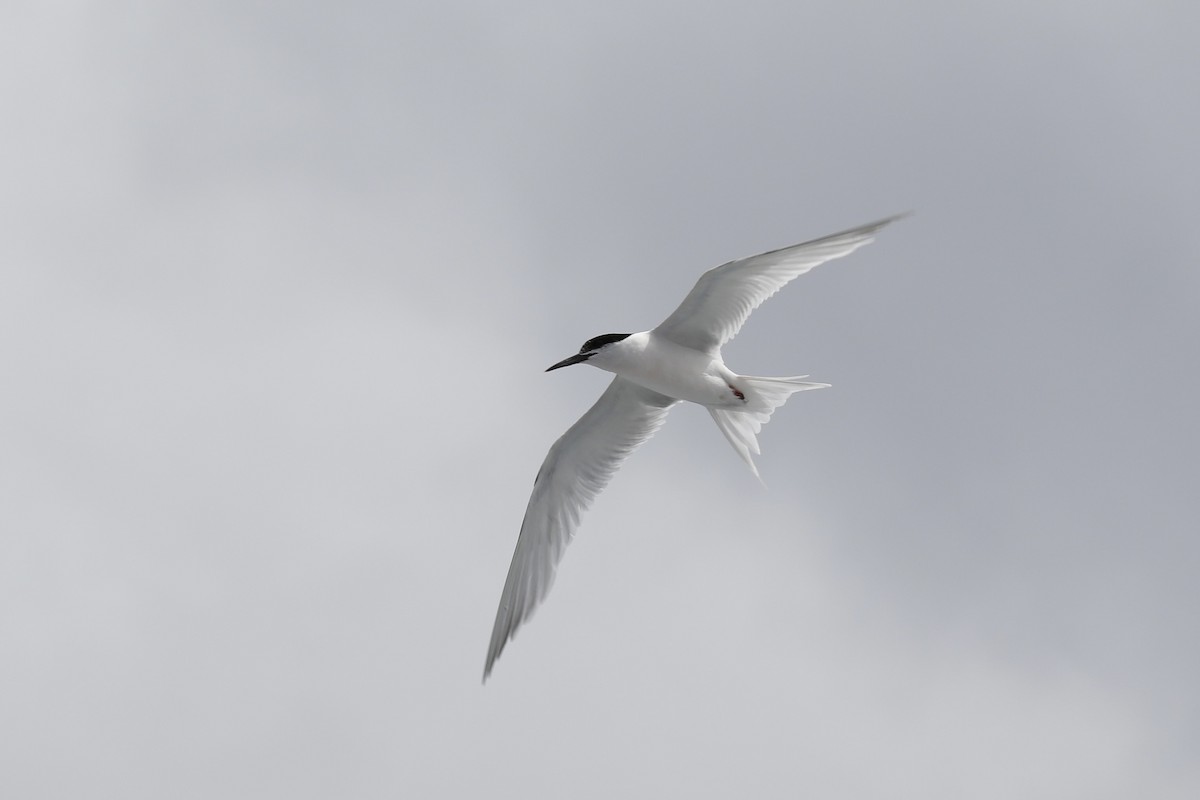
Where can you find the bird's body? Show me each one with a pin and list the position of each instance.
(672, 369)
(680, 360)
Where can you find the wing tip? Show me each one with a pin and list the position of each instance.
(895, 217)
(873, 227)
(493, 655)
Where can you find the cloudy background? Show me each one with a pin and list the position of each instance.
(277, 286)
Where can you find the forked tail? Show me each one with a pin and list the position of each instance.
(741, 424)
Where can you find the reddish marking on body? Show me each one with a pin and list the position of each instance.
(736, 392)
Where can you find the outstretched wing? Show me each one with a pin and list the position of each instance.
(719, 303)
(578, 466)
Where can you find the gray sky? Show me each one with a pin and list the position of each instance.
(277, 287)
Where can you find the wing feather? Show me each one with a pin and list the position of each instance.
(719, 303)
(577, 468)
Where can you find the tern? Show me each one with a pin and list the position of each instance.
(680, 360)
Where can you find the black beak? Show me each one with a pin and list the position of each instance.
(578, 358)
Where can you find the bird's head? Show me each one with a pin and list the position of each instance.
(595, 346)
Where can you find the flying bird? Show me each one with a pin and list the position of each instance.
(679, 360)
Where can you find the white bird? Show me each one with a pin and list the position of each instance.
(655, 369)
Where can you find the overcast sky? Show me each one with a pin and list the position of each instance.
(277, 286)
